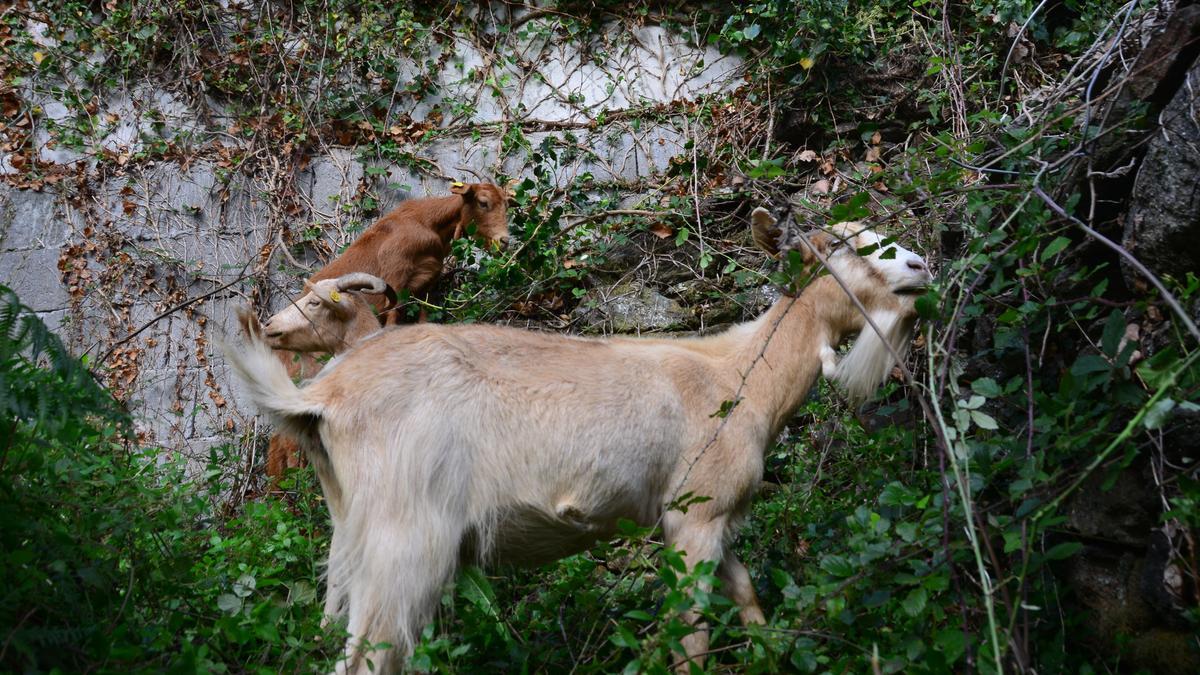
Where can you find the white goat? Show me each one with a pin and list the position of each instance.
(331, 317)
(524, 447)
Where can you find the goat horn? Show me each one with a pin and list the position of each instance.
(473, 172)
(360, 281)
(367, 283)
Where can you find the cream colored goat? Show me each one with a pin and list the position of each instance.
(331, 317)
(524, 447)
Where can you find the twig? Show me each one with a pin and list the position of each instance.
(190, 301)
(1016, 39)
(1167, 296)
(606, 214)
(288, 254)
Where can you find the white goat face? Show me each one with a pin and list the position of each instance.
(903, 270)
(861, 258)
(315, 322)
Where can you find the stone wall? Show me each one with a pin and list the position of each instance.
(137, 262)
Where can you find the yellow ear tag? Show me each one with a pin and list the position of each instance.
(457, 183)
(335, 296)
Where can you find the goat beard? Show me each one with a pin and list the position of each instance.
(870, 362)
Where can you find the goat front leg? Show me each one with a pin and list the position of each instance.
(699, 539)
(828, 362)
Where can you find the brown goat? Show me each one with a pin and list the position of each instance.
(406, 248)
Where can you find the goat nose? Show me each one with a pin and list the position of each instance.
(917, 265)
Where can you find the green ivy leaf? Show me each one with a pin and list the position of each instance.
(624, 637)
(986, 386)
(1089, 363)
(301, 593)
(953, 643)
(750, 32)
(1064, 550)
(895, 494)
(1158, 413)
(229, 603)
(855, 208)
(1114, 330)
(1055, 247)
(837, 565)
(725, 409)
(983, 420)
(927, 304)
(914, 602)
(244, 586)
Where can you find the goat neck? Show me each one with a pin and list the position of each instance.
(443, 215)
(365, 323)
(781, 356)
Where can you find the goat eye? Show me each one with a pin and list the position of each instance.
(314, 302)
(483, 204)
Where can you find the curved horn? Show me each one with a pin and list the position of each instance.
(473, 172)
(366, 283)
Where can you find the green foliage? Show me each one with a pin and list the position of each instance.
(113, 559)
(905, 538)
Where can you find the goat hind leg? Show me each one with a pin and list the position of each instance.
(335, 595)
(393, 585)
(737, 586)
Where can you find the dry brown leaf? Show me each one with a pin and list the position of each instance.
(807, 156)
(661, 230)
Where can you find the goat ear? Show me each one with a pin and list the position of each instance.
(328, 292)
(766, 231)
(249, 323)
(460, 188)
(813, 242)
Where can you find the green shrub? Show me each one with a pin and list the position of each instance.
(114, 560)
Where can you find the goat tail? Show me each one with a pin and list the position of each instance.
(870, 361)
(267, 380)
